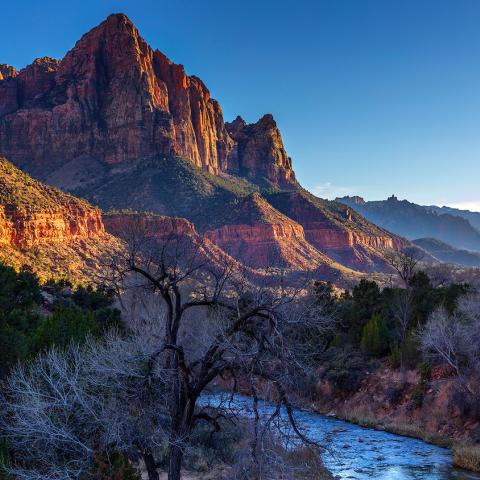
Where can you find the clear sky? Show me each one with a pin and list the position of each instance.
(373, 97)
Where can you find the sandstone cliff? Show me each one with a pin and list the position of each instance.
(114, 99)
(262, 237)
(175, 236)
(32, 213)
(259, 152)
(111, 98)
(54, 233)
(337, 230)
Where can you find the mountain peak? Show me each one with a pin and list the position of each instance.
(118, 17)
(115, 36)
(260, 152)
(267, 121)
(115, 99)
(7, 71)
(115, 21)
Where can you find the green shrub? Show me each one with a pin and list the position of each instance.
(407, 355)
(417, 397)
(68, 322)
(375, 337)
(345, 367)
(425, 370)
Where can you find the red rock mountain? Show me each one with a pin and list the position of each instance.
(262, 236)
(338, 231)
(54, 233)
(259, 152)
(112, 98)
(118, 123)
(179, 232)
(32, 213)
(265, 238)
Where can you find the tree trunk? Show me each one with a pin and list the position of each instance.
(175, 462)
(182, 428)
(151, 466)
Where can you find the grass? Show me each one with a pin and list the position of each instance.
(465, 456)
(308, 464)
(368, 420)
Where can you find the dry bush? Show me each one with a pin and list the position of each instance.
(467, 456)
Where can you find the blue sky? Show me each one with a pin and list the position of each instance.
(373, 97)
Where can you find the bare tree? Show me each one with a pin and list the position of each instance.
(193, 317)
(405, 262)
(43, 422)
(443, 340)
(66, 407)
(402, 313)
(241, 330)
(448, 339)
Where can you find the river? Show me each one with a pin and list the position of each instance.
(356, 452)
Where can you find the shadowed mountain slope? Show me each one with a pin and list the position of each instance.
(448, 254)
(118, 123)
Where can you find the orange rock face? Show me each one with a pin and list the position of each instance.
(113, 99)
(6, 71)
(23, 229)
(262, 237)
(259, 152)
(34, 214)
(56, 235)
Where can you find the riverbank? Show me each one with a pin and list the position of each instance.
(438, 411)
(464, 455)
(403, 402)
(352, 451)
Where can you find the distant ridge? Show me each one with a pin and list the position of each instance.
(448, 254)
(472, 217)
(416, 221)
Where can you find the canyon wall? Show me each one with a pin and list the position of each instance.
(263, 237)
(114, 99)
(34, 214)
(27, 229)
(259, 152)
(125, 225)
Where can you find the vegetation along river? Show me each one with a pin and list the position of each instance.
(355, 452)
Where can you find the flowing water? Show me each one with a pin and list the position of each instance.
(360, 453)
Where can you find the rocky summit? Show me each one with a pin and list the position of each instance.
(118, 123)
(113, 99)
